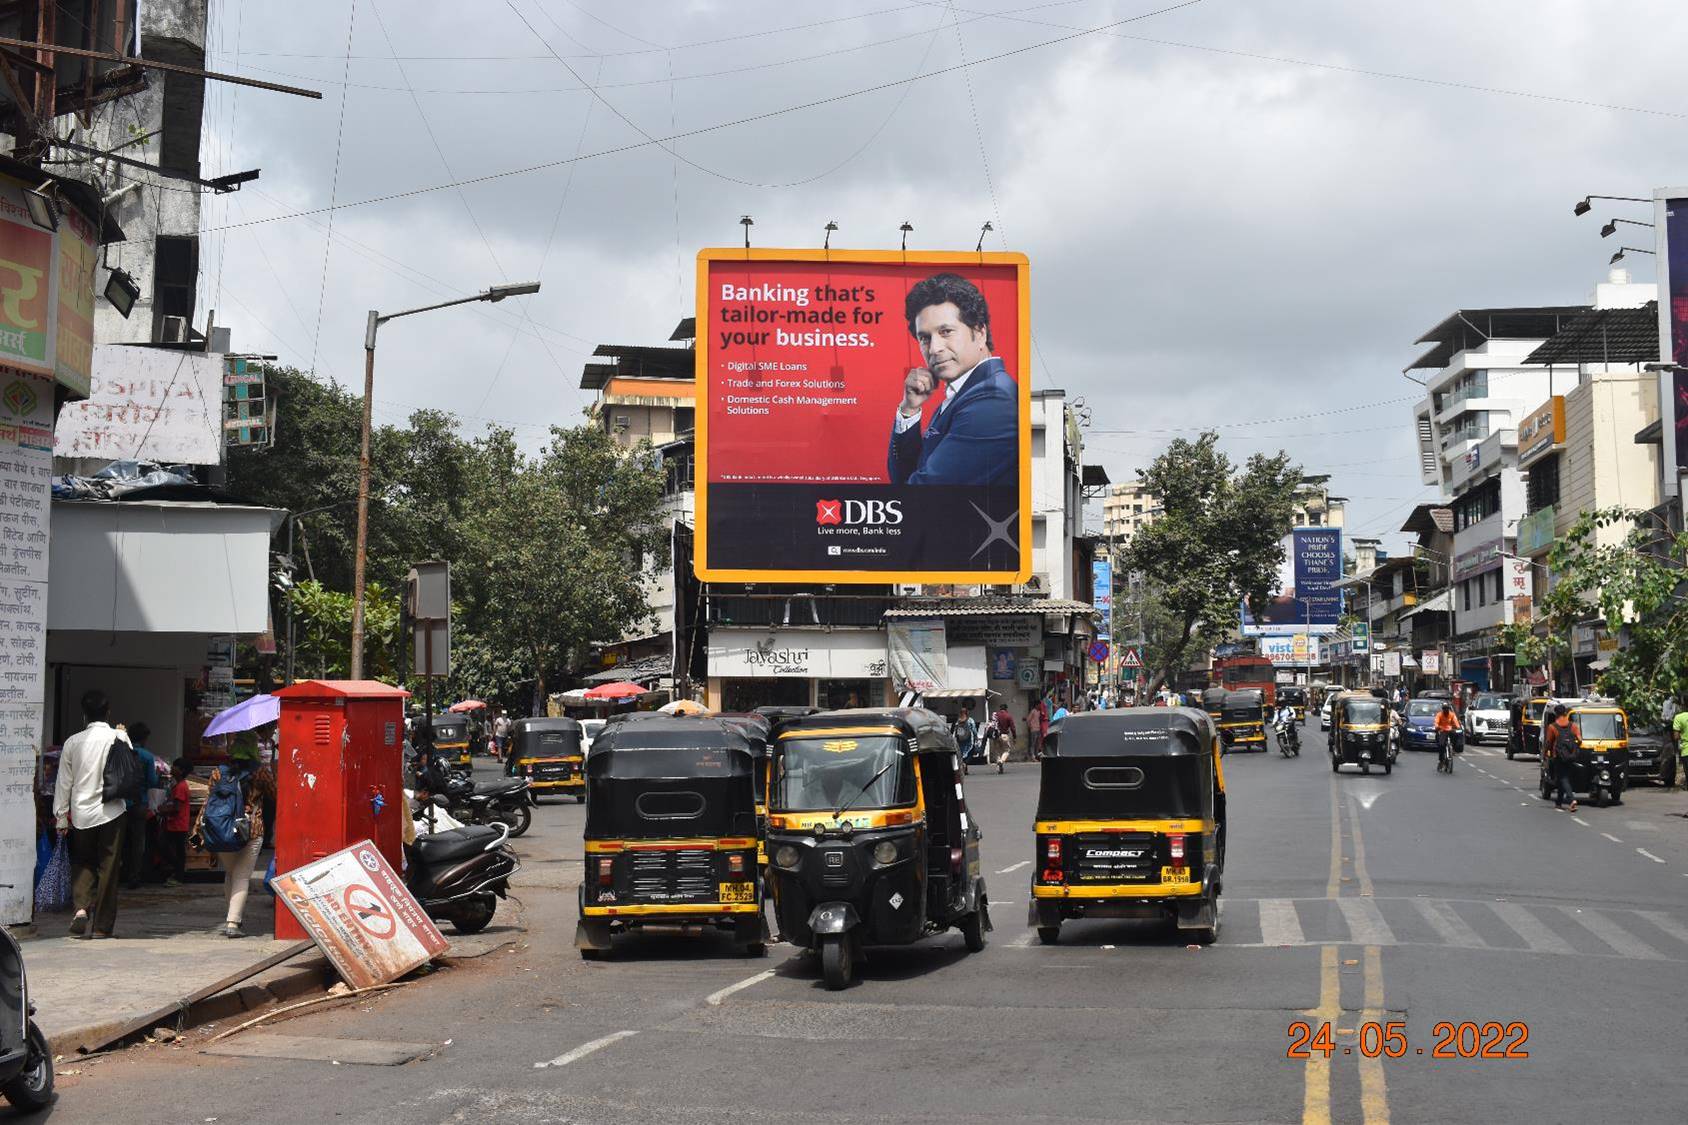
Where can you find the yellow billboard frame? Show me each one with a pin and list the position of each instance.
(1022, 282)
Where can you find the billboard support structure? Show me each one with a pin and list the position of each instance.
(864, 417)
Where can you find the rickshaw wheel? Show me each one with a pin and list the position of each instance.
(1388, 767)
(972, 929)
(1049, 935)
(1335, 765)
(580, 798)
(837, 961)
(1598, 798)
(1365, 767)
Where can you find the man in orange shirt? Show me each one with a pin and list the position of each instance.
(1447, 724)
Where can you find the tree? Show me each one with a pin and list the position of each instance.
(323, 622)
(1218, 541)
(1614, 564)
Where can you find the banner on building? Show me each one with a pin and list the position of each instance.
(919, 655)
(1391, 664)
(1297, 650)
(1317, 554)
(863, 417)
(1670, 210)
(1360, 637)
(147, 404)
(1102, 594)
(47, 279)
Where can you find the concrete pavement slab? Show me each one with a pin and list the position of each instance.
(314, 1048)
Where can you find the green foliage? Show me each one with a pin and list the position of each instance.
(1615, 565)
(549, 551)
(1217, 542)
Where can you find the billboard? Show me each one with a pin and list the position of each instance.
(1102, 594)
(1317, 554)
(863, 416)
(1670, 209)
(1292, 650)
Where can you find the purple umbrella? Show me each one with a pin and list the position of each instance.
(246, 715)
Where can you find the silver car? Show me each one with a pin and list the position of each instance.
(1488, 719)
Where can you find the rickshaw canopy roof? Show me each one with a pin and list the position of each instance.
(522, 726)
(928, 729)
(1135, 732)
(669, 732)
(1249, 697)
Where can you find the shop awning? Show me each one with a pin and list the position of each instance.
(959, 693)
(1436, 603)
(987, 607)
(634, 671)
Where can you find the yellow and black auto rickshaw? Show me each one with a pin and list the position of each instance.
(1242, 721)
(1527, 718)
(550, 754)
(869, 837)
(452, 740)
(756, 730)
(670, 833)
(1296, 699)
(1130, 821)
(1361, 733)
(1213, 702)
(1601, 765)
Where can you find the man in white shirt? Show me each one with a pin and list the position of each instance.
(95, 825)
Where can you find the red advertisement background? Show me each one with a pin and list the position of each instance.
(836, 442)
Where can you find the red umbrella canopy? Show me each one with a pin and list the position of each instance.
(468, 705)
(620, 690)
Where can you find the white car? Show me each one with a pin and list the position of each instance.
(589, 729)
(1324, 712)
(1489, 719)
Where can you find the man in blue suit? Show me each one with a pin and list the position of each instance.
(974, 437)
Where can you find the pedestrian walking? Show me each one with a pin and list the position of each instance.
(1004, 742)
(1679, 727)
(501, 734)
(231, 825)
(966, 735)
(139, 817)
(93, 824)
(1559, 745)
(1037, 725)
(175, 822)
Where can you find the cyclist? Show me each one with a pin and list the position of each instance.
(1447, 727)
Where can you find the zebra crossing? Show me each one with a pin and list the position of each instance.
(1643, 935)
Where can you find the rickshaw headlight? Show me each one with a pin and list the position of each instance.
(786, 856)
(885, 852)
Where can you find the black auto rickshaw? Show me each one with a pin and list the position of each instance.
(550, 754)
(869, 837)
(1130, 821)
(452, 740)
(1601, 766)
(756, 730)
(1213, 702)
(670, 833)
(1296, 699)
(1527, 719)
(1242, 720)
(1361, 733)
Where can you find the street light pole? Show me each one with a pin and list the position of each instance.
(360, 559)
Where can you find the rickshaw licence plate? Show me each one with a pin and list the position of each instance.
(738, 892)
(1175, 874)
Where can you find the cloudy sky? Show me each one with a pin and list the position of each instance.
(1239, 212)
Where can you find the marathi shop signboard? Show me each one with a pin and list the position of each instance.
(864, 417)
(46, 292)
(146, 404)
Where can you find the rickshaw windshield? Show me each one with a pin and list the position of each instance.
(1363, 711)
(812, 774)
(1600, 726)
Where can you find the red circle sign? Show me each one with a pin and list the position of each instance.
(369, 911)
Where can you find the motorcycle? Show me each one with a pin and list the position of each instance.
(505, 801)
(1289, 738)
(26, 1062)
(459, 874)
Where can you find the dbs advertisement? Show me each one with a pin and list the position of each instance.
(863, 416)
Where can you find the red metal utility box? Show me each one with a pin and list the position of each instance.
(339, 775)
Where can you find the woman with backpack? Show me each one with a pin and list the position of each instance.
(231, 824)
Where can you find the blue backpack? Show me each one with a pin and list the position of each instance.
(226, 825)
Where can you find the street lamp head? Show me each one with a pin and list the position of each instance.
(1616, 258)
(517, 289)
(1609, 229)
(1583, 207)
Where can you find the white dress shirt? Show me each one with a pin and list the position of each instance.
(904, 421)
(77, 798)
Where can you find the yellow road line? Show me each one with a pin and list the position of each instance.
(1360, 872)
(1335, 881)
(1374, 1091)
(1315, 1093)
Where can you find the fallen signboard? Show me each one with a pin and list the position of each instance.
(361, 915)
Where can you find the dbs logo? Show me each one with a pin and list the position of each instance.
(829, 511)
(872, 513)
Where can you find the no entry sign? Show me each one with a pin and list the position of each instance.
(361, 915)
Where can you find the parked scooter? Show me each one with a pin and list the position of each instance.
(504, 801)
(459, 874)
(26, 1063)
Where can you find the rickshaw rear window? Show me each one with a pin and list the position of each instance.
(677, 805)
(555, 737)
(1173, 787)
(812, 774)
(1600, 726)
(1113, 777)
(672, 762)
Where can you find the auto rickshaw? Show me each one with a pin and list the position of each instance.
(1296, 699)
(452, 740)
(869, 837)
(1601, 767)
(670, 833)
(756, 730)
(1130, 821)
(1213, 702)
(1361, 733)
(1242, 721)
(550, 754)
(1527, 712)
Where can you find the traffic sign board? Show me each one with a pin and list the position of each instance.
(1099, 651)
(1130, 658)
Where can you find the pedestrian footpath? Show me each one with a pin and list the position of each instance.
(1642, 935)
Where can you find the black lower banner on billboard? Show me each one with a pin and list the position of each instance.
(881, 529)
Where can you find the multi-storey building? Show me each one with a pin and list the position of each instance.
(1125, 508)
